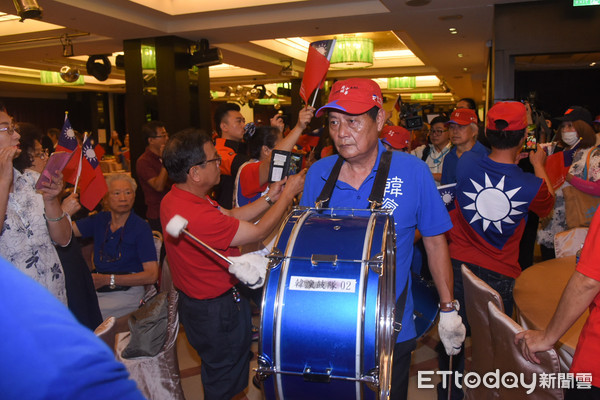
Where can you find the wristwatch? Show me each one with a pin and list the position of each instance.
(268, 199)
(112, 281)
(453, 305)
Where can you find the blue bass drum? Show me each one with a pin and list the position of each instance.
(327, 322)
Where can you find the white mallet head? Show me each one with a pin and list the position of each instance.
(176, 225)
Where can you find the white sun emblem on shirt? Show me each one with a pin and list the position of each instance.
(493, 204)
(90, 154)
(447, 197)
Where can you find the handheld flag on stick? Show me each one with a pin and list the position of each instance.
(79, 166)
(317, 64)
(92, 183)
(67, 140)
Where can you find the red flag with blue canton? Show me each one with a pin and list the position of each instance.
(92, 182)
(317, 64)
(67, 140)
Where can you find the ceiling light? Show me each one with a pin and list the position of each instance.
(460, 55)
(352, 52)
(417, 3)
(592, 64)
(453, 31)
(69, 74)
(28, 9)
(405, 82)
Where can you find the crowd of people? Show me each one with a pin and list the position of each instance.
(226, 186)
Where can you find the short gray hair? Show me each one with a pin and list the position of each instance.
(121, 177)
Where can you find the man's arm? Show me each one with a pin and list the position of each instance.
(578, 295)
(288, 142)
(251, 233)
(537, 159)
(439, 264)
(148, 276)
(159, 182)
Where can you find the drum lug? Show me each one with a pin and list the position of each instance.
(376, 263)
(323, 258)
(320, 377)
(276, 256)
(371, 379)
(264, 368)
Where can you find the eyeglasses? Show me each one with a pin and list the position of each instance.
(107, 258)
(160, 136)
(216, 160)
(42, 155)
(10, 129)
(437, 131)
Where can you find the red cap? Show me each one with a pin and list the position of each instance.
(463, 116)
(597, 119)
(396, 136)
(507, 115)
(353, 96)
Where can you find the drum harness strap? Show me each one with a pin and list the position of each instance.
(375, 202)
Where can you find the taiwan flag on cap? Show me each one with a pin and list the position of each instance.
(317, 64)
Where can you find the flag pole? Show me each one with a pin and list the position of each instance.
(315, 98)
(80, 161)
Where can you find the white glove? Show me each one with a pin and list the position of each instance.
(250, 269)
(452, 331)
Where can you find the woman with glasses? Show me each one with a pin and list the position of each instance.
(124, 252)
(32, 221)
(81, 296)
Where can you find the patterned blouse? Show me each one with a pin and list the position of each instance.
(25, 240)
(556, 222)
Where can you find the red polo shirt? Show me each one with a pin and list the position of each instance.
(587, 352)
(195, 270)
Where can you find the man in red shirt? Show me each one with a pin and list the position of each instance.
(215, 317)
(582, 291)
(150, 172)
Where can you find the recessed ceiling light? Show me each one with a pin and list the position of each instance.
(465, 69)
(460, 55)
(453, 31)
(450, 17)
(417, 3)
(592, 64)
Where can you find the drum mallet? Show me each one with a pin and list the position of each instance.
(450, 380)
(177, 225)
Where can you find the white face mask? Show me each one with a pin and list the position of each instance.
(570, 138)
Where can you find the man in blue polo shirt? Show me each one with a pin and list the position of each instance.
(355, 118)
(463, 136)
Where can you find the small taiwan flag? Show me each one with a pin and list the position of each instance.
(67, 140)
(92, 183)
(317, 64)
(448, 194)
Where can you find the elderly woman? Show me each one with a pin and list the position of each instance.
(124, 251)
(32, 221)
(578, 138)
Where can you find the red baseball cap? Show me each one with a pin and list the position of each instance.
(597, 118)
(463, 116)
(507, 115)
(396, 136)
(353, 96)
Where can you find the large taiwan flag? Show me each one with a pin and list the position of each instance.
(317, 64)
(92, 183)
